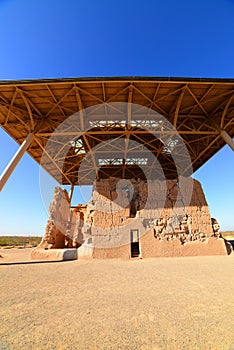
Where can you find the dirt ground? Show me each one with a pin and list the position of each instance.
(161, 303)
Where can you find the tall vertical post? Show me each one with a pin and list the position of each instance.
(15, 160)
(71, 193)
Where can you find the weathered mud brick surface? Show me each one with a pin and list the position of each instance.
(173, 212)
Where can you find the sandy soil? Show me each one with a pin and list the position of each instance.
(163, 303)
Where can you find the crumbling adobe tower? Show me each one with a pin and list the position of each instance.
(122, 220)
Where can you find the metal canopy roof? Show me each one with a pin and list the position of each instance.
(199, 109)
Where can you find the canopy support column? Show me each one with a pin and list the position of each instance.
(71, 193)
(15, 160)
(227, 139)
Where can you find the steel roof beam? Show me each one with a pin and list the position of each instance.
(15, 160)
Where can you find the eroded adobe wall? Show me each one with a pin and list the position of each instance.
(151, 247)
(172, 219)
(63, 224)
(161, 205)
(184, 217)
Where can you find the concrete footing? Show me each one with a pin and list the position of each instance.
(54, 254)
(85, 252)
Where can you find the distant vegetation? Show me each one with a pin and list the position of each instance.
(19, 241)
(229, 235)
(35, 240)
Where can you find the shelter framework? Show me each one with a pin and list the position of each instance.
(201, 111)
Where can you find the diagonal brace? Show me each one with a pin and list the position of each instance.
(15, 160)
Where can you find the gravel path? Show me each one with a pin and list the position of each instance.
(163, 303)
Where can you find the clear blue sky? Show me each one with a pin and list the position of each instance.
(49, 39)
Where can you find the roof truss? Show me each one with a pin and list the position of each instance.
(199, 109)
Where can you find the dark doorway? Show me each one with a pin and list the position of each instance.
(134, 204)
(134, 239)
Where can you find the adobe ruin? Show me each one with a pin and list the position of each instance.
(133, 218)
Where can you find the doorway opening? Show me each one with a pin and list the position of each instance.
(135, 246)
(134, 204)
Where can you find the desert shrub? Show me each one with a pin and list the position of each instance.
(19, 240)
